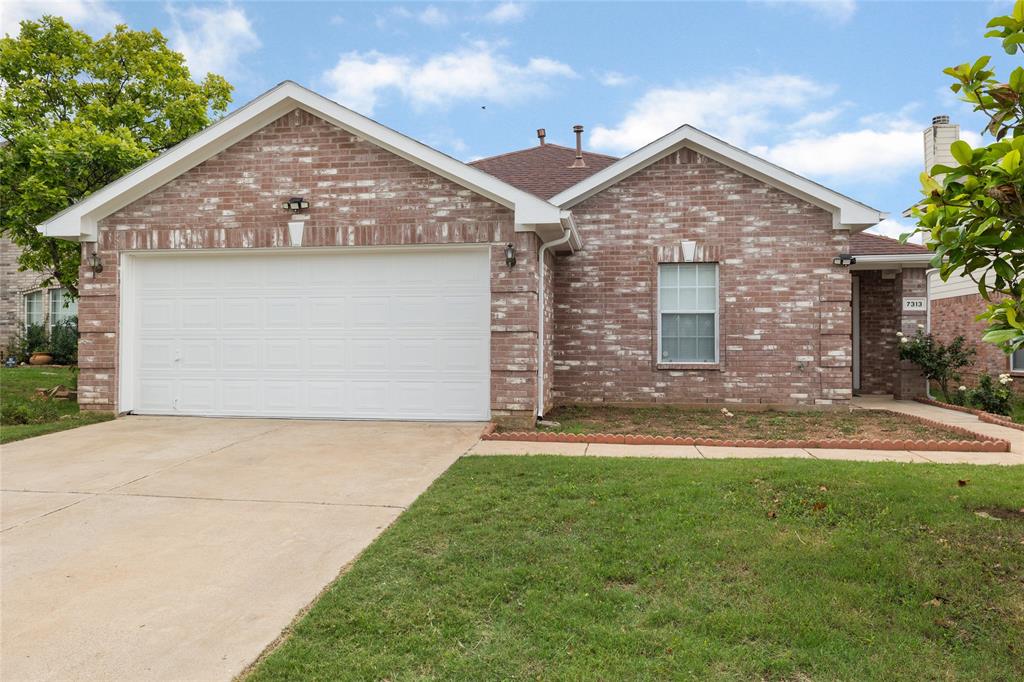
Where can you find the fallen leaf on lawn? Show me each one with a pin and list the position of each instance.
(935, 602)
(962, 482)
(822, 488)
(986, 515)
(944, 623)
(772, 514)
(819, 506)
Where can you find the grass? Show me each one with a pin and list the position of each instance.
(17, 391)
(557, 568)
(670, 420)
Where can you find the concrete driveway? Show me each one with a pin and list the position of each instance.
(178, 548)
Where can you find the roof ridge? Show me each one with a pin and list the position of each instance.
(538, 146)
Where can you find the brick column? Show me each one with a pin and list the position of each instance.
(909, 382)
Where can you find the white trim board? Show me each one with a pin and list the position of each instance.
(78, 222)
(847, 213)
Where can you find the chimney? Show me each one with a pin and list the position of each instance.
(541, 134)
(938, 138)
(578, 163)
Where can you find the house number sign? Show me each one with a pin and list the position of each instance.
(915, 304)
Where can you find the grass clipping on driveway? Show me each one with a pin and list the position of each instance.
(573, 568)
(669, 420)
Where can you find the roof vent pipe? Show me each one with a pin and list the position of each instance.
(578, 163)
(541, 134)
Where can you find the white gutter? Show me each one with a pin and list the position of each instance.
(564, 239)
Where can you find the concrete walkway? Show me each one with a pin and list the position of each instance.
(969, 421)
(176, 548)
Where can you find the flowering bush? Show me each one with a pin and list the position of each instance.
(991, 395)
(938, 362)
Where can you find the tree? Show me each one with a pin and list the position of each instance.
(973, 217)
(77, 113)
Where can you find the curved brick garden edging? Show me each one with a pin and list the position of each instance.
(840, 444)
(988, 417)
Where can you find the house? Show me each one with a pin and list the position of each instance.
(956, 301)
(23, 298)
(297, 259)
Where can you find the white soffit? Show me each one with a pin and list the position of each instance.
(78, 222)
(848, 213)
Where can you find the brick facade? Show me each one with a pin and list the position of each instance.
(13, 284)
(954, 316)
(360, 195)
(785, 315)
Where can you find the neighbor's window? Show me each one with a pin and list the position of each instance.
(34, 311)
(60, 307)
(1017, 361)
(688, 308)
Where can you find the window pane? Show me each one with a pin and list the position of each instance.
(669, 299)
(687, 325)
(705, 350)
(706, 298)
(688, 350)
(706, 275)
(706, 325)
(687, 275)
(34, 308)
(687, 299)
(669, 276)
(669, 349)
(1017, 361)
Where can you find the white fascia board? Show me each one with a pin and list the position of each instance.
(894, 260)
(79, 221)
(848, 213)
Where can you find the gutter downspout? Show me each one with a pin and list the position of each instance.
(564, 239)
(928, 320)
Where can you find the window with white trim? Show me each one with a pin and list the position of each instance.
(688, 312)
(35, 311)
(1017, 361)
(61, 307)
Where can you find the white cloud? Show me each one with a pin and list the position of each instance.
(506, 13)
(839, 11)
(474, 72)
(614, 79)
(815, 119)
(890, 227)
(734, 110)
(432, 16)
(93, 17)
(213, 39)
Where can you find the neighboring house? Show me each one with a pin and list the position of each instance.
(414, 286)
(956, 302)
(23, 301)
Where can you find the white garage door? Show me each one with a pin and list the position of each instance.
(353, 335)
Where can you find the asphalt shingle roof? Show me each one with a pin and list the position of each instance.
(544, 170)
(865, 244)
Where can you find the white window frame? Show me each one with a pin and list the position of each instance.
(55, 301)
(44, 301)
(1014, 368)
(716, 312)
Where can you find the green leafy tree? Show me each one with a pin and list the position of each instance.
(972, 215)
(77, 113)
(938, 362)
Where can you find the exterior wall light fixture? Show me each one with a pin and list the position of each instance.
(844, 260)
(510, 255)
(95, 263)
(295, 204)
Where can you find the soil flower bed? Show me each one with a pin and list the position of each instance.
(872, 429)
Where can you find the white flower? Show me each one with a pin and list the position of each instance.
(899, 334)
(904, 339)
(962, 388)
(920, 326)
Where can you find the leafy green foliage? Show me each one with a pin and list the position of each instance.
(78, 113)
(938, 362)
(24, 416)
(972, 215)
(992, 395)
(64, 342)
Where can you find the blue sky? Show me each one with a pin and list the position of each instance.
(838, 90)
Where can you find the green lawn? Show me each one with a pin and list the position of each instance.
(559, 568)
(17, 390)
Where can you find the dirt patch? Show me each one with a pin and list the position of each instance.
(1000, 513)
(672, 421)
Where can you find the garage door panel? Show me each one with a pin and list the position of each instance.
(365, 335)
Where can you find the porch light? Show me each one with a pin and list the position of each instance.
(510, 255)
(844, 260)
(295, 204)
(95, 263)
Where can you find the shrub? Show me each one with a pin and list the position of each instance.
(14, 411)
(36, 339)
(64, 342)
(993, 395)
(938, 362)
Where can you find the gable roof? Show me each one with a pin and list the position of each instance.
(79, 220)
(847, 212)
(544, 170)
(867, 244)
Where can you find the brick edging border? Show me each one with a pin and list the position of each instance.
(988, 417)
(994, 445)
